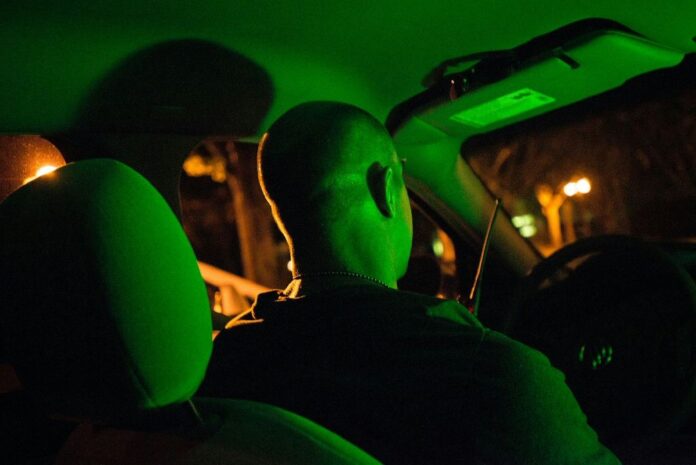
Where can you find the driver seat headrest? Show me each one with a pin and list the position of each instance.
(105, 311)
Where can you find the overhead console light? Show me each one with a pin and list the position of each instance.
(503, 87)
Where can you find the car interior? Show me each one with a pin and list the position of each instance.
(132, 227)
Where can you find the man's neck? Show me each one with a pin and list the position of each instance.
(310, 283)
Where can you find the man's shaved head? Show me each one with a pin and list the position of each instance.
(315, 167)
(316, 145)
(315, 159)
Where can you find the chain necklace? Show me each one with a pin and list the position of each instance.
(341, 273)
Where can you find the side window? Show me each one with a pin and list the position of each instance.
(239, 248)
(432, 268)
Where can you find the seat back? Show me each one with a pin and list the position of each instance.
(105, 318)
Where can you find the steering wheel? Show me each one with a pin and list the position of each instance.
(618, 316)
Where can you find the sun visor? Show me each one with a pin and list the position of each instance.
(503, 88)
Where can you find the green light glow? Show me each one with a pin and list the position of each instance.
(504, 107)
(528, 230)
(438, 247)
(525, 224)
(522, 220)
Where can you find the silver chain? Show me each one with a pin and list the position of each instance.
(340, 273)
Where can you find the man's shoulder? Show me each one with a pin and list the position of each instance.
(397, 304)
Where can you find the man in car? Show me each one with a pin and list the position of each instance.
(408, 377)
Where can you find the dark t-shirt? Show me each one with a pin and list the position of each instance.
(407, 377)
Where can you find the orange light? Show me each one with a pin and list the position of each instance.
(45, 170)
(42, 171)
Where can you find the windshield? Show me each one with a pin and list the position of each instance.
(623, 162)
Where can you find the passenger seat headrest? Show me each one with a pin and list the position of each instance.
(104, 311)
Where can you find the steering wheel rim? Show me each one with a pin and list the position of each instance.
(608, 248)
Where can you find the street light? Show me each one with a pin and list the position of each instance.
(570, 189)
(581, 186)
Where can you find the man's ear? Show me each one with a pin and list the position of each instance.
(380, 179)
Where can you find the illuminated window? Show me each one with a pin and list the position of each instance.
(622, 163)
